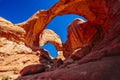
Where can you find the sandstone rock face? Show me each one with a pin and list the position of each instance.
(28, 70)
(80, 34)
(14, 54)
(7, 29)
(92, 47)
(109, 46)
(35, 25)
(48, 36)
(105, 69)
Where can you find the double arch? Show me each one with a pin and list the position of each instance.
(37, 23)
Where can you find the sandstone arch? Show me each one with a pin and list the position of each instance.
(49, 36)
(35, 25)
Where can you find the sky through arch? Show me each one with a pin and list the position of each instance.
(59, 25)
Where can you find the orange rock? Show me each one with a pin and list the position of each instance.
(99, 70)
(32, 69)
(14, 54)
(48, 36)
(11, 32)
(36, 24)
(80, 34)
(96, 40)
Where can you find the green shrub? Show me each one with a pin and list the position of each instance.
(5, 78)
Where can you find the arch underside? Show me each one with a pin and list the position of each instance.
(35, 25)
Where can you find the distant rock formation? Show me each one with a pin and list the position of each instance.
(48, 36)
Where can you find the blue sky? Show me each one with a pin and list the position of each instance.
(20, 10)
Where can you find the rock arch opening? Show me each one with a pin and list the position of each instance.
(51, 49)
(59, 25)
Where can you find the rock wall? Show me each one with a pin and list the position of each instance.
(105, 69)
(14, 54)
(80, 34)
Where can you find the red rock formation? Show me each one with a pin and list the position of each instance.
(35, 25)
(14, 54)
(105, 69)
(7, 29)
(98, 41)
(109, 46)
(48, 36)
(29, 70)
(80, 34)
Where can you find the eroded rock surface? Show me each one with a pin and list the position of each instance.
(14, 54)
(80, 34)
(49, 36)
(106, 69)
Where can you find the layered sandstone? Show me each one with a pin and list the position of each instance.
(49, 36)
(80, 34)
(14, 54)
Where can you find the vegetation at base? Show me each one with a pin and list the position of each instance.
(5, 78)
